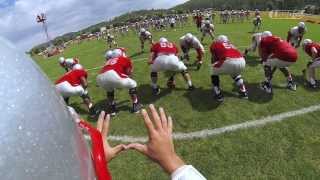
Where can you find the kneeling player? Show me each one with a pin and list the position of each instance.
(189, 41)
(144, 35)
(226, 59)
(276, 53)
(164, 57)
(207, 28)
(313, 50)
(115, 74)
(74, 83)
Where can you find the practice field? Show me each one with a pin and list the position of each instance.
(283, 150)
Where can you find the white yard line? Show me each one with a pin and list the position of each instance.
(213, 132)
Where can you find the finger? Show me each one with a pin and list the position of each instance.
(100, 121)
(105, 127)
(117, 149)
(155, 117)
(148, 122)
(163, 117)
(170, 125)
(138, 147)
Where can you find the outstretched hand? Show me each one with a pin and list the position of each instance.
(160, 146)
(103, 126)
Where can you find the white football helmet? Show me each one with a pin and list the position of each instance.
(188, 37)
(77, 67)
(302, 25)
(266, 34)
(306, 42)
(108, 54)
(61, 60)
(163, 40)
(116, 53)
(207, 22)
(69, 61)
(222, 38)
(143, 30)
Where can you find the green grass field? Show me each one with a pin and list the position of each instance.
(286, 150)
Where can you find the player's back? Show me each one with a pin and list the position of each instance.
(224, 50)
(164, 48)
(120, 65)
(73, 77)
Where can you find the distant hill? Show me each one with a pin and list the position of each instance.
(189, 5)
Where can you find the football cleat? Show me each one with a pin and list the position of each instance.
(136, 107)
(292, 86)
(243, 95)
(266, 86)
(171, 84)
(191, 88)
(312, 86)
(113, 110)
(219, 97)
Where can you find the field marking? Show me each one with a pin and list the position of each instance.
(202, 134)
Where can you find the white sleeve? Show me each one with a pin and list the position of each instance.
(187, 172)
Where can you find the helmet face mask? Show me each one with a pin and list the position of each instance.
(306, 42)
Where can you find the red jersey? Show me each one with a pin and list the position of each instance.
(222, 51)
(73, 77)
(308, 48)
(122, 65)
(167, 48)
(277, 48)
(198, 19)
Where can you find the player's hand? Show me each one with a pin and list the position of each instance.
(150, 62)
(103, 126)
(160, 146)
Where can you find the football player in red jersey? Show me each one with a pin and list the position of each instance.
(226, 59)
(164, 57)
(74, 83)
(68, 63)
(313, 50)
(276, 53)
(116, 74)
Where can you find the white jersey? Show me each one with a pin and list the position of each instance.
(144, 36)
(187, 172)
(295, 32)
(194, 43)
(207, 28)
(172, 21)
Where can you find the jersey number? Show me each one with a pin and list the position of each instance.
(164, 45)
(112, 61)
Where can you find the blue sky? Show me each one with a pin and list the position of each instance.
(18, 24)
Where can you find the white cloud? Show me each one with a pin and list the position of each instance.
(18, 19)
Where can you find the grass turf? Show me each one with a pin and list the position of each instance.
(280, 151)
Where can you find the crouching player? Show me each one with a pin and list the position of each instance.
(189, 41)
(295, 34)
(276, 53)
(313, 50)
(74, 83)
(207, 28)
(115, 74)
(164, 57)
(226, 59)
(144, 35)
